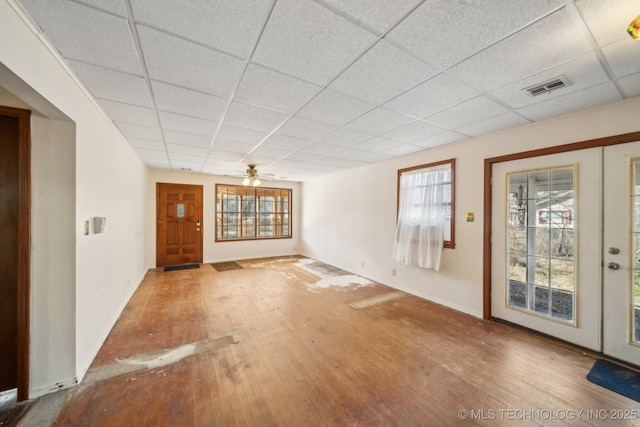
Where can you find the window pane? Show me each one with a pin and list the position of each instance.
(540, 242)
(635, 288)
(431, 191)
(249, 212)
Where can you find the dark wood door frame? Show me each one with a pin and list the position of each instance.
(24, 244)
(488, 168)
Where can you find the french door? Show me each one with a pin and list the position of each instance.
(565, 251)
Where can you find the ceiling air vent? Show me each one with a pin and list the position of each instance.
(547, 86)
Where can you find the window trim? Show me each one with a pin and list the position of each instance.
(451, 244)
(257, 214)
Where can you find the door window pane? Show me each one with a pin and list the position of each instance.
(635, 253)
(540, 242)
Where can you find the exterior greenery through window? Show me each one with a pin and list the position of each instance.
(248, 213)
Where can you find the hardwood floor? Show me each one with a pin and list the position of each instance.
(277, 349)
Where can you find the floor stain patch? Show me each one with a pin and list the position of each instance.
(330, 275)
(368, 302)
(156, 359)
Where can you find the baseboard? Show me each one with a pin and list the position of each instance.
(36, 392)
(424, 296)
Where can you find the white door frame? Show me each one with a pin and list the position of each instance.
(488, 196)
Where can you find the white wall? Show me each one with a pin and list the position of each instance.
(349, 218)
(221, 251)
(82, 168)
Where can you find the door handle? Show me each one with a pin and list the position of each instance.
(613, 266)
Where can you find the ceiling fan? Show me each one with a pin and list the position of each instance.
(251, 177)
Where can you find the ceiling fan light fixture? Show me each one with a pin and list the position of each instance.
(252, 177)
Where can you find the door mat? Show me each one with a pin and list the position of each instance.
(226, 266)
(616, 378)
(181, 267)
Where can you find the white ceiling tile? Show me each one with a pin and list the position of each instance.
(547, 43)
(378, 121)
(589, 98)
(304, 129)
(222, 166)
(379, 15)
(583, 72)
(269, 152)
(187, 166)
(195, 159)
(185, 138)
(377, 145)
(624, 56)
(360, 156)
(147, 144)
(151, 154)
(325, 165)
(608, 19)
(334, 108)
(631, 85)
(494, 124)
(227, 156)
(113, 85)
(128, 113)
(440, 139)
(96, 37)
(320, 149)
(187, 149)
(338, 162)
(444, 32)
(273, 90)
(413, 131)
(382, 73)
(190, 65)
(403, 150)
(114, 6)
(240, 134)
(188, 102)
(253, 117)
(466, 112)
(308, 41)
(186, 124)
(431, 96)
(231, 26)
(300, 156)
(286, 142)
(136, 131)
(343, 138)
(233, 146)
(260, 159)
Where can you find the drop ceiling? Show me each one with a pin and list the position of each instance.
(307, 88)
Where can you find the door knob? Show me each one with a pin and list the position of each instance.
(614, 251)
(613, 266)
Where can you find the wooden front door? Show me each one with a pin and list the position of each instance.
(15, 241)
(179, 228)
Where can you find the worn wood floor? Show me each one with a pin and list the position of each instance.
(276, 349)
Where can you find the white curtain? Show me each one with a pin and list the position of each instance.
(422, 217)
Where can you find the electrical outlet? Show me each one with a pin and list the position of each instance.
(393, 271)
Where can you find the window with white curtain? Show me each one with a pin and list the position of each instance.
(425, 214)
